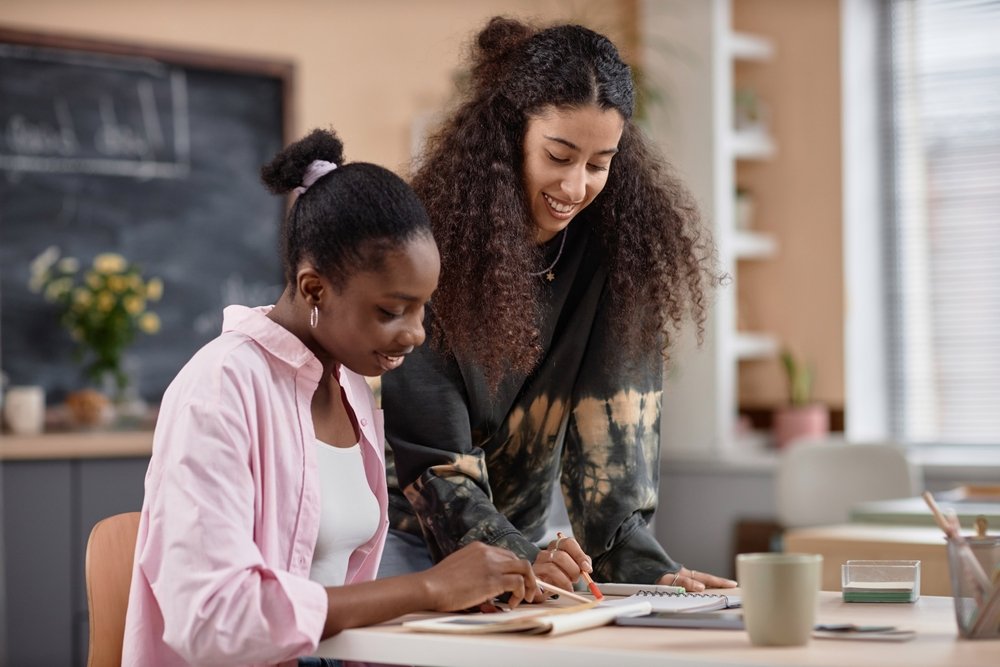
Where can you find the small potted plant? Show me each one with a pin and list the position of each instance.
(802, 417)
(103, 308)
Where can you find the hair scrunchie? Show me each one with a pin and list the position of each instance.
(316, 170)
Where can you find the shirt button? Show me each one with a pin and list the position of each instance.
(364, 422)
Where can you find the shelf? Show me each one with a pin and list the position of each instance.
(751, 145)
(754, 245)
(744, 46)
(754, 346)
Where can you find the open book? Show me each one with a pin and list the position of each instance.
(553, 621)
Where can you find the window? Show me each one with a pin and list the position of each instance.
(942, 109)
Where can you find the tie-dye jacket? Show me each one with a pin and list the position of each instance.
(476, 467)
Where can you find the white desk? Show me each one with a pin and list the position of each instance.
(937, 643)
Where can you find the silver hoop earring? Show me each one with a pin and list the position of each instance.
(314, 317)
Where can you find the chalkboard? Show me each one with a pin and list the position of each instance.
(150, 153)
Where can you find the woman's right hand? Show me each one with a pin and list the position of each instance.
(562, 562)
(477, 573)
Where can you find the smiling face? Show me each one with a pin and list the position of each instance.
(377, 318)
(567, 154)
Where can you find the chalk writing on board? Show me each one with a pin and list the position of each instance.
(136, 127)
(152, 154)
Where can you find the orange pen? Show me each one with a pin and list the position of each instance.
(586, 577)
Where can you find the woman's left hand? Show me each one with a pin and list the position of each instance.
(695, 581)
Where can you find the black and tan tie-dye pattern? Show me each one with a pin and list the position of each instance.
(473, 466)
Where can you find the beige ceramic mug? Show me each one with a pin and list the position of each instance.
(24, 409)
(780, 593)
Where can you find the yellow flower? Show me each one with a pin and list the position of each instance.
(149, 323)
(117, 284)
(93, 280)
(57, 288)
(134, 305)
(83, 297)
(135, 283)
(105, 301)
(154, 289)
(109, 262)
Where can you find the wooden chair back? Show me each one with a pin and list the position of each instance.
(108, 567)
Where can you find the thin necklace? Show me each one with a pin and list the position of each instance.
(549, 273)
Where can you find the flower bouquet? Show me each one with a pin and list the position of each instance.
(103, 307)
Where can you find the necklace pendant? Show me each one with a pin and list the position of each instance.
(550, 276)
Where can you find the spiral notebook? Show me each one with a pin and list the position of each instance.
(661, 601)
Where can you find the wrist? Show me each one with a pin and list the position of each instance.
(426, 590)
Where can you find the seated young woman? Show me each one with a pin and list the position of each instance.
(264, 516)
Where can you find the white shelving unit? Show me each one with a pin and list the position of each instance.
(697, 133)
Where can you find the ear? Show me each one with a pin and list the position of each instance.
(309, 285)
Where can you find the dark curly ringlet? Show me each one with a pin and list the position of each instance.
(470, 180)
(349, 218)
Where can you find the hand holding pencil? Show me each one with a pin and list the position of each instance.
(563, 563)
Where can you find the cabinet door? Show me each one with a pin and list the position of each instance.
(49, 508)
(39, 546)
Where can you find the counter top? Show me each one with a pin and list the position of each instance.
(76, 445)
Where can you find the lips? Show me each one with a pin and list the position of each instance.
(558, 209)
(388, 361)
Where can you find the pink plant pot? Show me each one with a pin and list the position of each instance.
(805, 421)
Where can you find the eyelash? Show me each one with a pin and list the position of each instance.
(388, 315)
(562, 160)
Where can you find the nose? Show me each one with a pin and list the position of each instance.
(574, 184)
(412, 335)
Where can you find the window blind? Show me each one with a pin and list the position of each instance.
(942, 112)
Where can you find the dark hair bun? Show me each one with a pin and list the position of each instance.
(493, 44)
(284, 173)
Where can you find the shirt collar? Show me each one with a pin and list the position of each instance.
(276, 339)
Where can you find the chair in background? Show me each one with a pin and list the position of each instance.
(108, 567)
(817, 482)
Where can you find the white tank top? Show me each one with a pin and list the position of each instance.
(349, 514)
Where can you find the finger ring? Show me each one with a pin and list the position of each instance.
(558, 542)
(674, 580)
(693, 572)
(552, 555)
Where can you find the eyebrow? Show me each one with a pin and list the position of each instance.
(570, 144)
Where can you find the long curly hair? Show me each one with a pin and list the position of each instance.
(470, 179)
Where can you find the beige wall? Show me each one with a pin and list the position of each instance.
(799, 294)
(370, 68)
(366, 67)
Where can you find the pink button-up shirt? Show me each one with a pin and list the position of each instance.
(231, 512)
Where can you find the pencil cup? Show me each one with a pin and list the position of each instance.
(977, 615)
(780, 593)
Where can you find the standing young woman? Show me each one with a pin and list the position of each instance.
(265, 509)
(570, 257)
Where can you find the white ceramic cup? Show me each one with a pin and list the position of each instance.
(24, 409)
(780, 593)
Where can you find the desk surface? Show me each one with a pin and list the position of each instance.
(933, 618)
